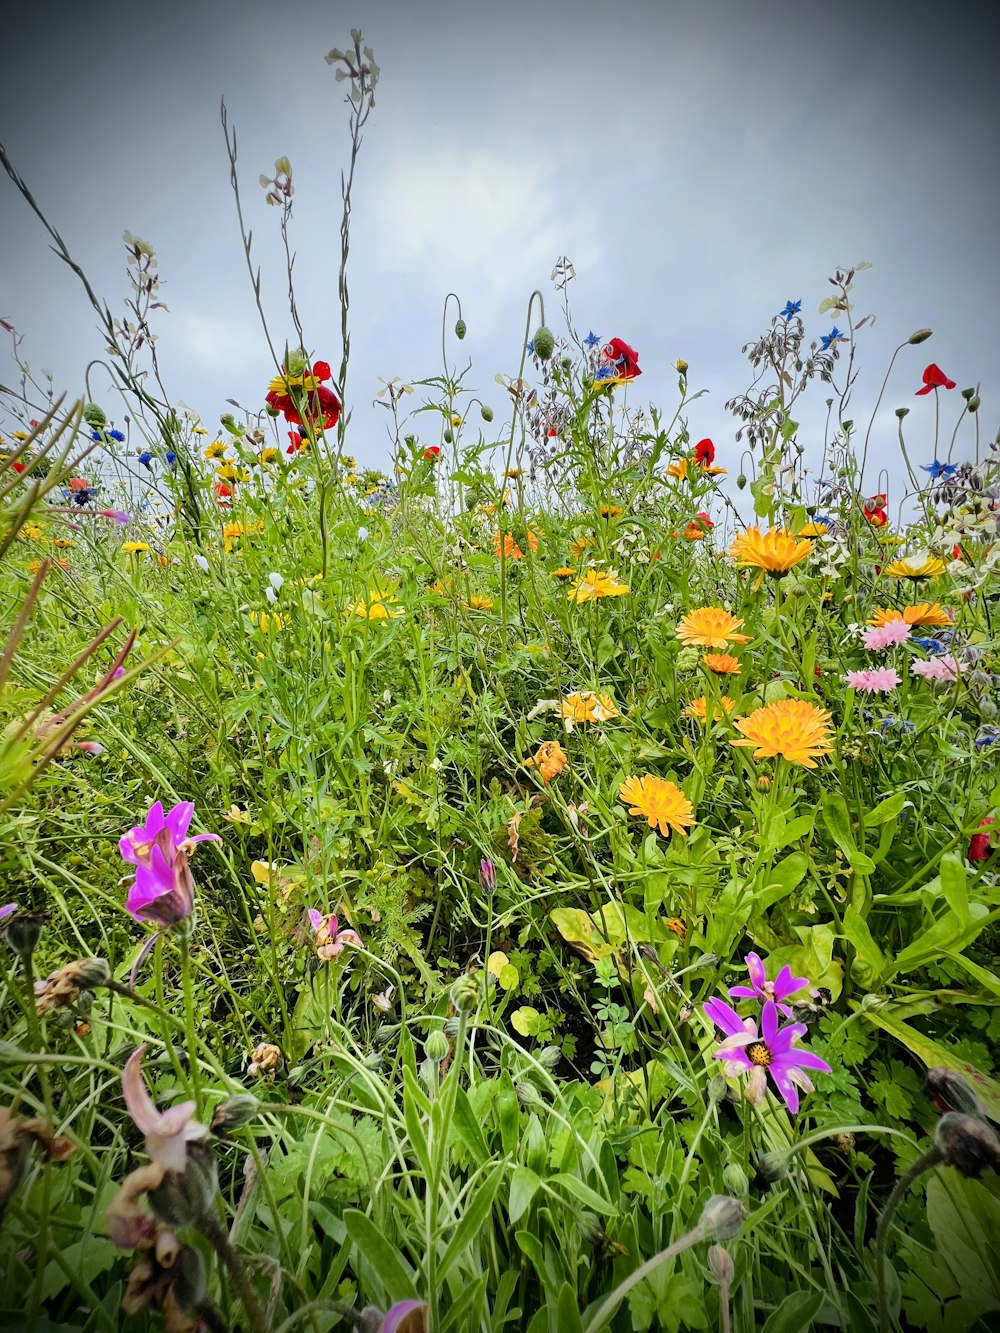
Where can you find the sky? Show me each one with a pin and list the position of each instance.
(699, 161)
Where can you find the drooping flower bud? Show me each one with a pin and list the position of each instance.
(771, 1167)
(465, 993)
(921, 336)
(720, 1262)
(184, 1197)
(722, 1217)
(949, 1091)
(544, 343)
(967, 1143)
(460, 329)
(549, 1057)
(486, 413)
(735, 1179)
(741, 481)
(21, 931)
(974, 403)
(234, 1112)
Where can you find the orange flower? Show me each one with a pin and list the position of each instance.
(611, 511)
(720, 708)
(563, 572)
(792, 728)
(661, 803)
(588, 707)
(775, 551)
(678, 470)
(550, 759)
(579, 546)
(723, 664)
(504, 543)
(710, 627)
(930, 614)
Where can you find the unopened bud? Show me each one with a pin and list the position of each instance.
(437, 1047)
(720, 1262)
(741, 481)
(681, 366)
(967, 1143)
(548, 1057)
(447, 436)
(717, 1089)
(188, 1283)
(921, 336)
(772, 1167)
(544, 343)
(234, 1112)
(722, 1217)
(94, 416)
(735, 1179)
(22, 930)
(974, 403)
(465, 993)
(460, 329)
(902, 412)
(486, 413)
(528, 1094)
(184, 1197)
(487, 875)
(590, 1228)
(950, 1092)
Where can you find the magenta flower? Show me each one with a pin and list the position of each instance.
(887, 635)
(942, 668)
(397, 1319)
(167, 1133)
(879, 681)
(7, 910)
(118, 515)
(778, 990)
(772, 1052)
(162, 889)
(137, 845)
(330, 939)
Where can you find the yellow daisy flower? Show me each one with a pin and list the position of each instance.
(216, 449)
(915, 567)
(775, 552)
(792, 728)
(698, 708)
(661, 803)
(927, 614)
(598, 583)
(564, 572)
(588, 707)
(710, 627)
(134, 548)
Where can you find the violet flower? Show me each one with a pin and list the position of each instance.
(395, 1320)
(162, 889)
(772, 1052)
(7, 910)
(137, 845)
(778, 990)
(167, 1133)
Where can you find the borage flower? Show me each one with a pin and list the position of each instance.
(938, 469)
(934, 378)
(778, 990)
(772, 1052)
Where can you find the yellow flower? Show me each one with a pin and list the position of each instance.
(19, 435)
(588, 707)
(515, 472)
(580, 545)
(232, 532)
(550, 759)
(348, 461)
(267, 621)
(377, 607)
(134, 548)
(775, 551)
(216, 449)
(64, 543)
(503, 542)
(710, 627)
(915, 567)
(698, 708)
(681, 366)
(269, 456)
(814, 530)
(611, 511)
(679, 470)
(662, 803)
(723, 664)
(793, 728)
(563, 572)
(283, 382)
(227, 472)
(598, 583)
(456, 421)
(930, 614)
(32, 532)
(480, 603)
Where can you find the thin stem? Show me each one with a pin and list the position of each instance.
(212, 1229)
(924, 1162)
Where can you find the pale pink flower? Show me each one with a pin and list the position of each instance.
(330, 939)
(942, 668)
(167, 1133)
(887, 635)
(880, 681)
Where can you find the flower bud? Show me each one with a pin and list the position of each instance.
(771, 1167)
(950, 1092)
(487, 875)
(967, 1143)
(741, 481)
(974, 403)
(528, 1094)
(921, 336)
(22, 930)
(184, 1197)
(681, 366)
(717, 1089)
(590, 1228)
(544, 342)
(722, 1217)
(448, 437)
(234, 1112)
(902, 412)
(460, 329)
(94, 416)
(735, 1179)
(549, 1056)
(720, 1262)
(486, 413)
(436, 1048)
(465, 993)
(189, 1280)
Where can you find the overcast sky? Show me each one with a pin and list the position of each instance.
(700, 162)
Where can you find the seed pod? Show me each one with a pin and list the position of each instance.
(544, 342)
(741, 481)
(902, 412)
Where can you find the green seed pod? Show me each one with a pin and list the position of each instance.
(94, 416)
(902, 412)
(544, 342)
(486, 413)
(974, 403)
(460, 329)
(920, 336)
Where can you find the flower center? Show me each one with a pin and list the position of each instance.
(759, 1054)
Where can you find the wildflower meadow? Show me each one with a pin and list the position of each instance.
(549, 882)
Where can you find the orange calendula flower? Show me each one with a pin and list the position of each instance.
(550, 759)
(678, 470)
(598, 583)
(710, 627)
(579, 546)
(588, 707)
(929, 614)
(720, 708)
(723, 664)
(564, 572)
(676, 927)
(661, 803)
(814, 530)
(611, 511)
(775, 551)
(504, 544)
(480, 603)
(915, 567)
(792, 728)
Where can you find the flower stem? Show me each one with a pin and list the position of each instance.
(213, 1230)
(604, 1314)
(924, 1162)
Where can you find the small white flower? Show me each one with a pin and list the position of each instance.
(271, 595)
(201, 562)
(362, 534)
(276, 582)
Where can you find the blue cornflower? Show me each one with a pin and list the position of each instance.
(97, 436)
(146, 459)
(530, 347)
(791, 308)
(828, 339)
(938, 469)
(592, 339)
(929, 645)
(170, 458)
(116, 435)
(825, 518)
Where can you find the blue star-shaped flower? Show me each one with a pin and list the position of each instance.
(603, 373)
(116, 435)
(592, 339)
(930, 645)
(791, 308)
(530, 347)
(938, 469)
(828, 339)
(986, 735)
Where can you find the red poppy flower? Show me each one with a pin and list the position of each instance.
(934, 378)
(295, 442)
(875, 512)
(698, 527)
(625, 359)
(224, 494)
(321, 404)
(431, 452)
(322, 371)
(78, 484)
(979, 844)
(18, 467)
(704, 453)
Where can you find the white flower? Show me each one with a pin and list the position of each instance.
(362, 534)
(276, 582)
(201, 562)
(271, 595)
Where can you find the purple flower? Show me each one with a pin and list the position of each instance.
(167, 1133)
(119, 515)
(783, 985)
(162, 889)
(137, 845)
(330, 939)
(772, 1052)
(487, 875)
(725, 1017)
(7, 910)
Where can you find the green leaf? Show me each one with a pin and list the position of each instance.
(795, 1314)
(467, 1127)
(869, 954)
(888, 809)
(376, 1250)
(473, 1219)
(954, 885)
(412, 1096)
(523, 1188)
(583, 1193)
(568, 1318)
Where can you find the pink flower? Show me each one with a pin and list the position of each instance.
(778, 990)
(942, 668)
(167, 1133)
(774, 1052)
(330, 939)
(162, 889)
(880, 681)
(887, 635)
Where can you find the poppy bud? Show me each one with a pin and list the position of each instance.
(271, 411)
(950, 1092)
(967, 394)
(967, 1143)
(735, 1179)
(741, 481)
(94, 416)
(22, 931)
(720, 1261)
(447, 437)
(771, 1167)
(460, 329)
(545, 343)
(486, 413)
(902, 412)
(921, 336)
(722, 1217)
(974, 403)
(234, 1112)
(436, 1048)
